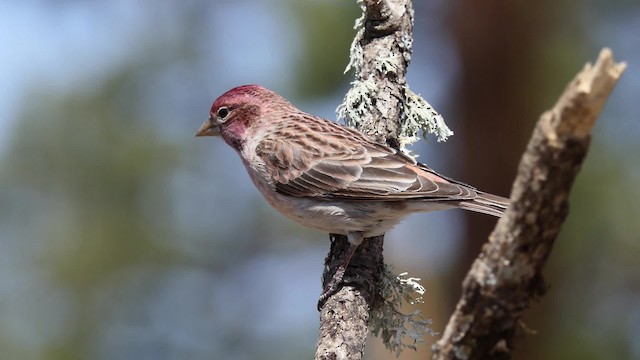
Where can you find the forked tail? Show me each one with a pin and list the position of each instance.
(486, 203)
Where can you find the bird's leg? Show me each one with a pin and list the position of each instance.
(355, 238)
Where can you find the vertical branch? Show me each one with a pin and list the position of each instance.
(383, 54)
(507, 274)
(375, 104)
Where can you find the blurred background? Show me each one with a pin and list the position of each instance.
(124, 237)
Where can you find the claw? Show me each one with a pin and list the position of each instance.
(355, 239)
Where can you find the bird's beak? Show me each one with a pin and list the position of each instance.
(208, 128)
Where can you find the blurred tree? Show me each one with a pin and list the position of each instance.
(95, 163)
(326, 29)
(514, 59)
(592, 310)
(498, 98)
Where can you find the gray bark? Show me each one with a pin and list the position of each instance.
(344, 316)
(507, 274)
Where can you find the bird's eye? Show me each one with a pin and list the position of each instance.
(223, 112)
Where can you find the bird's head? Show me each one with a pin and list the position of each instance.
(236, 111)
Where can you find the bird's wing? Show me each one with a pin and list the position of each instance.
(336, 162)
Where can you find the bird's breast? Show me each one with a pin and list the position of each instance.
(340, 217)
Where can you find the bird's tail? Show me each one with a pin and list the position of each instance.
(486, 203)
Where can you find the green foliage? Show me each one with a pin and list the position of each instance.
(94, 157)
(85, 169)
(326, 32)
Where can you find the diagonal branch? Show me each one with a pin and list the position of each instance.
(507, 274)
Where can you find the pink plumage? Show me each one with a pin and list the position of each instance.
(327, 176)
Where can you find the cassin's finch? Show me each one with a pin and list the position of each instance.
(327, 176)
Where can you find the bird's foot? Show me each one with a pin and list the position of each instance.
(332, 286)
(355, 239)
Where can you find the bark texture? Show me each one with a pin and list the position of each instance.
(507, 274)
(499, 49)
(344, 316)
(388, 30)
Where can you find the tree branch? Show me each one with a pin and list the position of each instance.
(383, 46)
(507, 274)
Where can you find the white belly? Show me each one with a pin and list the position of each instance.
(340, 217)
(371, 218)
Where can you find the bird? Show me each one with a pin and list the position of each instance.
(331, 177)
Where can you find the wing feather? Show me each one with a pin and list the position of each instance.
(336, 162)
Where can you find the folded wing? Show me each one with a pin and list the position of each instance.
(335, 162)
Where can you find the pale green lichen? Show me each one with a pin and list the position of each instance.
(357, 102)
(356, 53)
(412, 282)
(419, 118)
(406, 44)
(398, 330)
(386, 65)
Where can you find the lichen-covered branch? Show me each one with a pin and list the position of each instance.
(380, 102)
(375, 104)
(507, 274)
